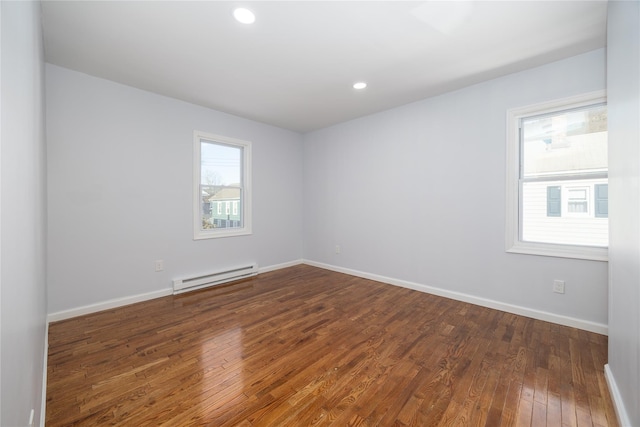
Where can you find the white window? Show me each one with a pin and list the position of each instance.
(221, 178)
(578, 201)
(557, 178)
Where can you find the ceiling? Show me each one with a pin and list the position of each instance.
(295, 66)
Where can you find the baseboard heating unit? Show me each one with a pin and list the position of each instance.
(212, 279)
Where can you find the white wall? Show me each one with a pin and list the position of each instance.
(23, 213)
(623, 87)
(417, 193)
(120, 191)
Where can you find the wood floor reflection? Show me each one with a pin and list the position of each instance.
(304, 346)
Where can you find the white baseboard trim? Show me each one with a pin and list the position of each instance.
(106, 305)
(45, 364)
(132, 299)
(280, 266)
(618, 403)
(586, 325)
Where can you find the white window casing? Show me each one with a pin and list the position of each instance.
(514, 241)
(240, 224)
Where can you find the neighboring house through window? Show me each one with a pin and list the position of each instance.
(557, 178)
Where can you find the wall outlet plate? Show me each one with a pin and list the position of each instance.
(558, 286)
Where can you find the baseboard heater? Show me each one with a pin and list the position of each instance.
(217, 278)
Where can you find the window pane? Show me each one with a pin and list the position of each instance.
(578, 207)
(578, 194)
(565, 143)
(560, 153)
(221, 185)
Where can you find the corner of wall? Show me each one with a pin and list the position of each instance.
(621, 411)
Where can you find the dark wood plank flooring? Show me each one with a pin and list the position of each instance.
(304, 346)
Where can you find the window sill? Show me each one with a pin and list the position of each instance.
(560, 251)
(220, 234)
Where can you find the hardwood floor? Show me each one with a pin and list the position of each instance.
(304, 346)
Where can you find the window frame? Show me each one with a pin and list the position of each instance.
(513, 240)
(245, 202)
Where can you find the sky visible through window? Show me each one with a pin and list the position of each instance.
(220, 164)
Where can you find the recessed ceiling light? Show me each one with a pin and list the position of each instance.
(359, 85)
(244, 16)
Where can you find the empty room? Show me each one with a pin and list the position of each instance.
(305, 213)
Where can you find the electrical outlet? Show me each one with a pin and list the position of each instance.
(558, 286)
(159, 265)
(338, 249)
